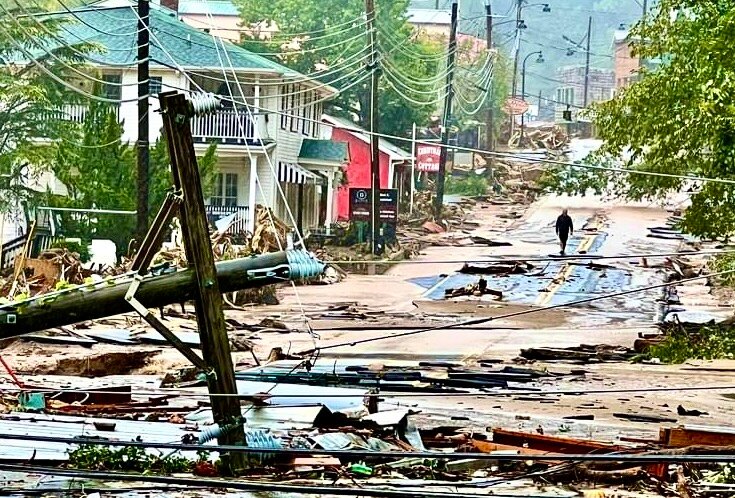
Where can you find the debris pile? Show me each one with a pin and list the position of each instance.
(477, 289)
(548, 137)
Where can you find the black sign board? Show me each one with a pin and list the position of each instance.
(361, 204)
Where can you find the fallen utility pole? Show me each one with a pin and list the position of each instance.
(374, 129)
(177, 111)
(439, 201)
(91, 302)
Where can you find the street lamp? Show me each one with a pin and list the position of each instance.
(539, 60)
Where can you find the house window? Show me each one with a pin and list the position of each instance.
(306, 124)
(295, 103)
(155, 85)
(225, 190)
(112, 88)
(284, 104)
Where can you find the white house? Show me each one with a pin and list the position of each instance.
(258, 145)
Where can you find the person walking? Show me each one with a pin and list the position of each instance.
(564, 228)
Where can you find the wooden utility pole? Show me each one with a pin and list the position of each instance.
(208, 299)
(587, 64)
(490, 117)
(645, 12)
(439, 201)
(143, 127)
(517, 49)
(374, 129)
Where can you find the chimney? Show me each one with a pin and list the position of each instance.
(171, 4)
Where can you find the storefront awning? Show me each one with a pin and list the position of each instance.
(293, 173)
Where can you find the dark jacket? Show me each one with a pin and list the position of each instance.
(564, 225)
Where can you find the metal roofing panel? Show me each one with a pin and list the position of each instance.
(65, 426)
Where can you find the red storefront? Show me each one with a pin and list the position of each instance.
(395, 163)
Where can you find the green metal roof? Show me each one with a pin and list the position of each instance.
(324, 150)
(115, 29)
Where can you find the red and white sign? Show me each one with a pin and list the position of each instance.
(427, 158)
(515, 106)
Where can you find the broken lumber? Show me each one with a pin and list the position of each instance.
(94, 301)
(551, 444)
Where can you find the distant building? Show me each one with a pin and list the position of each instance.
(436, 24)
(571, 90)
(626, 65)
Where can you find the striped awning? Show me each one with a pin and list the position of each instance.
(293, 173)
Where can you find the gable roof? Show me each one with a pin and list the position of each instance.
(113, 25)
(395, 153)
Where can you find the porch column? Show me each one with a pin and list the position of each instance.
(252, 192)
(330, 202)
(256, 109)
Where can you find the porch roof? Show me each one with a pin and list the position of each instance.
(324, 150)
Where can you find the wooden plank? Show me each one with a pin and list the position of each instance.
(681, 437)
(551, 443)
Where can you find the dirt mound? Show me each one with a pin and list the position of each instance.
(99, 365)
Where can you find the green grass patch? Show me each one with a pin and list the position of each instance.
(471, 186)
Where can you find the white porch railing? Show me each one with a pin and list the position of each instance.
(239, 223)
(78, 112)
(226, 125)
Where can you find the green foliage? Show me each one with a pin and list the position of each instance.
(101, 173)
(127, 458)
(679, 118)
(28, 98)
(300, 16)
(472, 185)
(709, 343)
(721, 263)
(726, 475)
(81, 249)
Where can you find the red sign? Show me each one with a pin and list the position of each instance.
(427, 158)
(515, 106)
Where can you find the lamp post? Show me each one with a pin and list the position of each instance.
(523, 85)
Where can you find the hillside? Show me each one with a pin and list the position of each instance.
(546, 30)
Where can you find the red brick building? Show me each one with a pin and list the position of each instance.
(626, 65)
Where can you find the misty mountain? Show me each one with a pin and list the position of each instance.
(546, 31)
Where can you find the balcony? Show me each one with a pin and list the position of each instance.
(227, 126)
(219, 216)
(77, 113)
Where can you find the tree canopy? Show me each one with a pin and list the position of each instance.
(338, 42)
(98, 170)
(677, 119)
(29, 98)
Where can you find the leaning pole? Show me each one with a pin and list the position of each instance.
(107, 298)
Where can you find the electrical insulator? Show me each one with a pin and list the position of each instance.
(204, 103)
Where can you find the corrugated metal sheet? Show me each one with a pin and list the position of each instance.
(76, 427)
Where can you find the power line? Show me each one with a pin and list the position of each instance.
(361, 393)
(522, 258)
(515, 314)
(359, 453)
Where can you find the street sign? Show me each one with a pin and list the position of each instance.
(427, 158)
(515, 106)
(361, 205)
